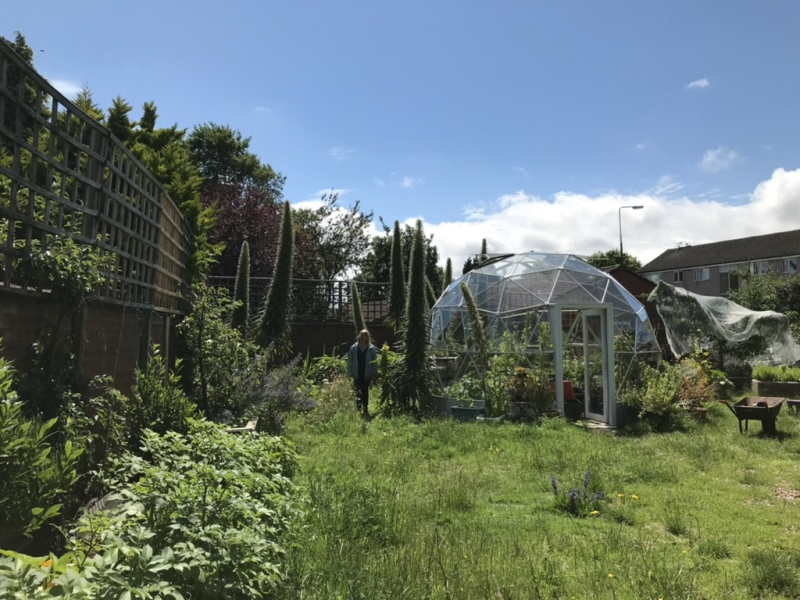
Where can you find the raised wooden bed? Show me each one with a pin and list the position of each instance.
(782, 389)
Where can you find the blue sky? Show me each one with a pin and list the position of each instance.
(527, 123)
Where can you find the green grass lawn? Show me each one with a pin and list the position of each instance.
(399, 509)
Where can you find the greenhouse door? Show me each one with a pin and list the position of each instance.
(595, 360)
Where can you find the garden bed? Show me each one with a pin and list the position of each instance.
(783, 389)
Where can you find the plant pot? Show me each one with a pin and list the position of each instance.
(573, 411)
(496, 420)
(466, 414)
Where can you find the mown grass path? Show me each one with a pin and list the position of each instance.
(399, 509)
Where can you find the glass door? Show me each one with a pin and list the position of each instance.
(595, 361)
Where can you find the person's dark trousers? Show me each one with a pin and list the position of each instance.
(362, 395)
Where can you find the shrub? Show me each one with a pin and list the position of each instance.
(160, 403)
(214, 351)
(204, 518)
(270, 393)
(659, 399)
(581, 502)
(35, 476)
(773, 571)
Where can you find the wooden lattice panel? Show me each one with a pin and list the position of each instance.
(63, 173)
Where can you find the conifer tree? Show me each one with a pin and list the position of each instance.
(275, 324)
(397, 291)
(416, 368)
(448, 274)
(358, 317)
(484, 253)
(241, 291)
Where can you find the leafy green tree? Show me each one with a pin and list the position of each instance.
(275, 324)
(224, 158)
(240, 319)
(376, 267)
(769, 291)
(397, 292)
(339, 237)
(415, 337)
(358, 316)
(611, 258)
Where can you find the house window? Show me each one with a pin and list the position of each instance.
(677, 277)
(702, 274)
(759, 267)
(728, 282)
(789, 265)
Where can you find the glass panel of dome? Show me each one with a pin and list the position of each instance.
(576, 264)
(488, 299)
(539, 285)
(517, 297)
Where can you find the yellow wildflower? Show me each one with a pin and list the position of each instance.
(620, 495)
(634, 496)
(611, 576)
(594, 513)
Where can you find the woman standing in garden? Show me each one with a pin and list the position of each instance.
(363, 368)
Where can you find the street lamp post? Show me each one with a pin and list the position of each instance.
(619, 214)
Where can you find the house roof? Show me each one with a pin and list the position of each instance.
(759, 247)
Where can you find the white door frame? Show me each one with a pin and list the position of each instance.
(609, 415)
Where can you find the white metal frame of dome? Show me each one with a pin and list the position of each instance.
(549, 288)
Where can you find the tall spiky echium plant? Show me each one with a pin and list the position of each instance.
(275, 324)
(430, 294)
(448, 274)
(397, 279)
(416, 380)
(240, 319)
(358, 317)
(478, 340)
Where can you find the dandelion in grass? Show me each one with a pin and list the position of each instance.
(594, 513)
(611, 576)
(620, 495)
(634, 496)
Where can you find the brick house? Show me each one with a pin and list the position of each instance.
(711, 269)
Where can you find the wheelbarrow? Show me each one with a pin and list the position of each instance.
(760, 408)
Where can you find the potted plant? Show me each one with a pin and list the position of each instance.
(527, 397)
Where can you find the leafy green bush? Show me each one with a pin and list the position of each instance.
(34, 475)
(781, 373)
(773, 571)
(161, 404)
(658, 401)
(203, 518)
(214, 352)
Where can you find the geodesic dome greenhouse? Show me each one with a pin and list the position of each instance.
(553, 314)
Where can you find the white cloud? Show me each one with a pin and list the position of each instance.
(722, 158)
(521, 171)
(380, 182)
(69, 88)
(315, 200)
(340, 153)
(263, 109)
(409, 182)
(582, 224)
(665, 186)
(645, 145)
(697, 84)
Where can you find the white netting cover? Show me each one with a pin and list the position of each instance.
(754, 337)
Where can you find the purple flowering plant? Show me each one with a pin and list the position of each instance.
(579, 502)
